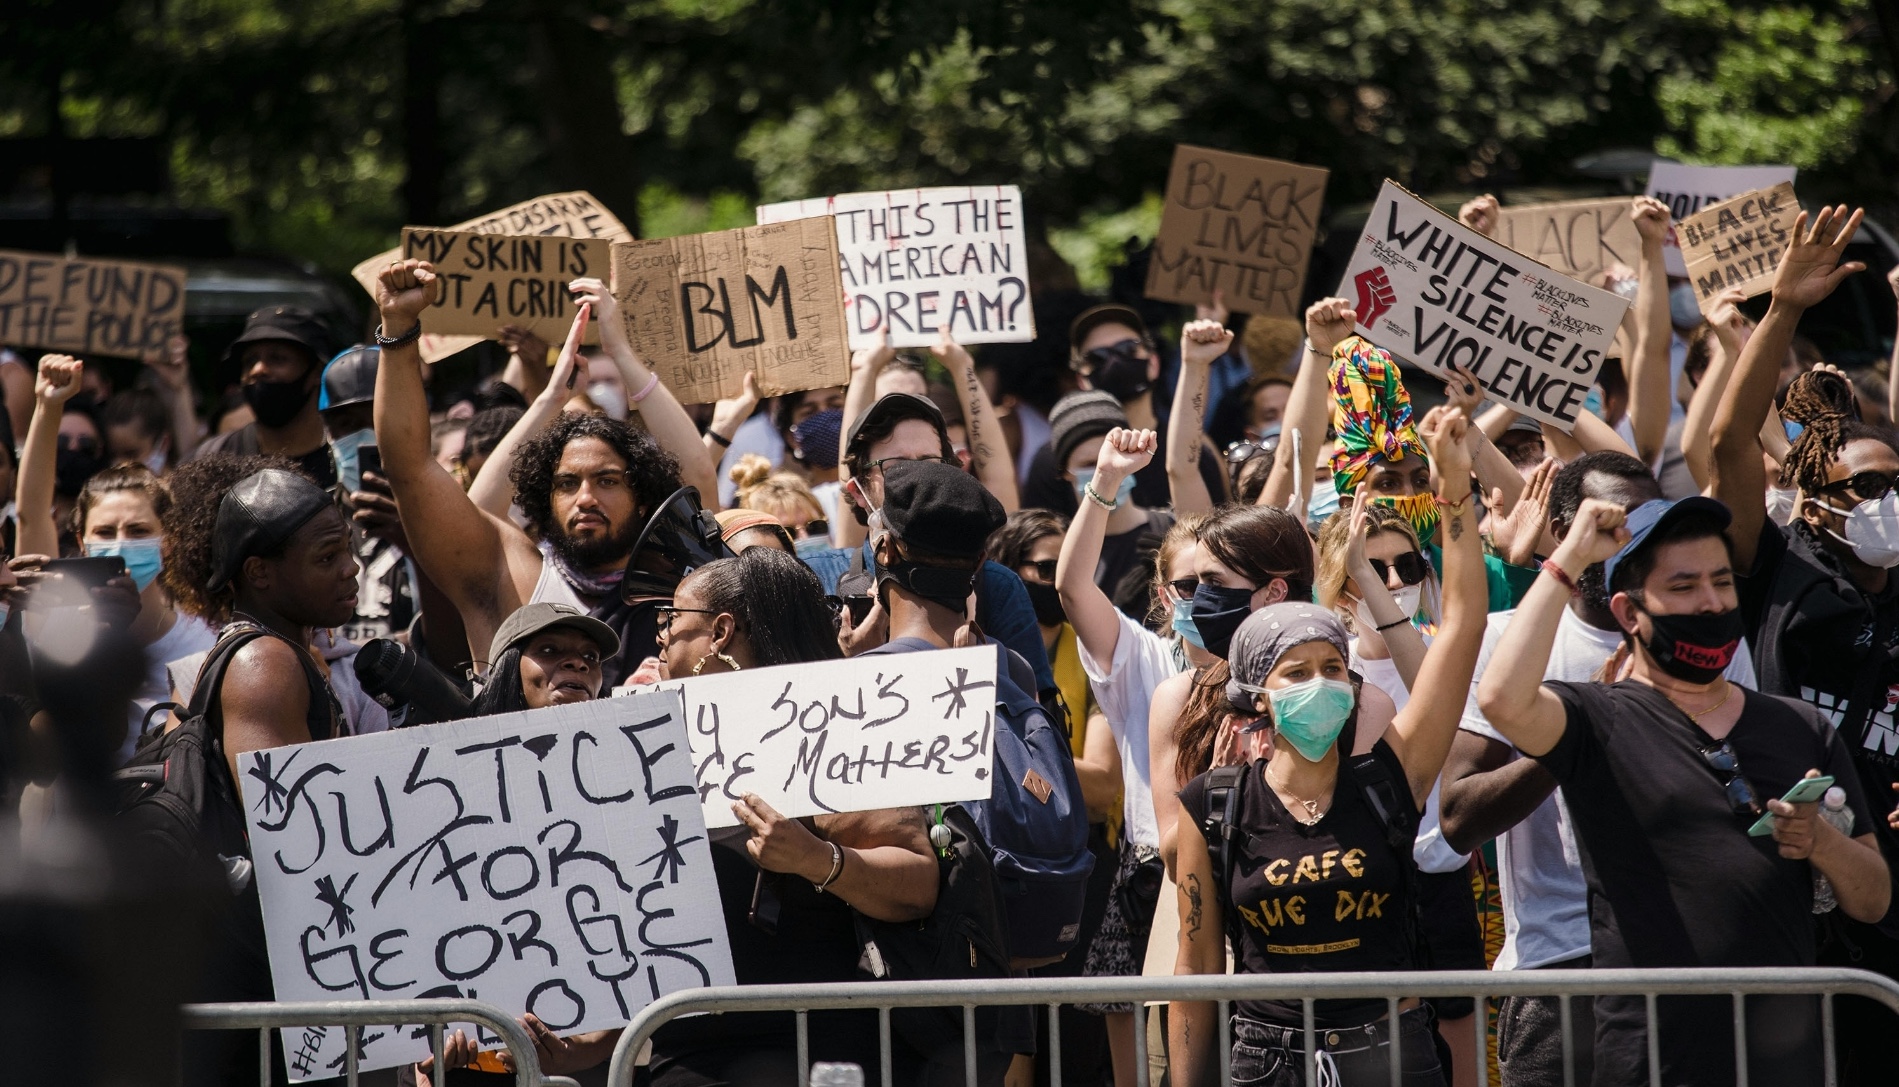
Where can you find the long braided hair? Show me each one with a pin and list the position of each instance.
(1823, 403)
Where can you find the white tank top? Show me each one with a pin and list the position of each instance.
(555, 588)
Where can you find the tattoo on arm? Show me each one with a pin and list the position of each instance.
(1192, 887)
(1456, 524)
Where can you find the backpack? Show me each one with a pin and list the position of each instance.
(1377, 787)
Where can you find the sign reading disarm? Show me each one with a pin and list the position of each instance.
(1437, 294)
(552, 862)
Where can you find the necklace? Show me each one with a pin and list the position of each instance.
(1313, 814)
(1696, 717)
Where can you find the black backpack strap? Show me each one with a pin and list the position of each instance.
(320, 719)
(1378, 787)
(1224, 832)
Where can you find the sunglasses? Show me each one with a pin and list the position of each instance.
(1044, 568)
(666, 614)
(1411, 568)
(1184, 587)
(817, 527)
(1866, 486)
(1103, 356)
(1740, 793)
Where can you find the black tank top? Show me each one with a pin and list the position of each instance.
(1320, 898)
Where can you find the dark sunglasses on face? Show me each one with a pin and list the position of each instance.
(878, 465)
(1044, 568)
(1184, 587)
(1866, 486)
(1411, 568)
(1102, 356)
(1740, 792)
(818, 527)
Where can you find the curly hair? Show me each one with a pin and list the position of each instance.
(197, 489)
(1817, 394)
(652, 472)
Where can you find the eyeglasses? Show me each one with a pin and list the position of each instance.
(1741, 795)
(667, 612)
(1866, 486)
(1044, 568)
(1184, 587)
(1411, 568)
(878, 465)
(1102, 356)
(817, 527)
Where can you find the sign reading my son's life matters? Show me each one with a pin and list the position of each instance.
(883, 731)
(1436, 294)
(921, 260)
(552, 862)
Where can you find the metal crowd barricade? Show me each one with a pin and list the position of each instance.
(435, 1014)
(1392, 987)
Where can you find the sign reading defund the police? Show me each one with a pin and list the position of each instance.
(883, 731)
(551, 862)
(1438, 294)
(920, 260)
(108, 307)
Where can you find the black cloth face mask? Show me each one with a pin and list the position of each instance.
(1217, 612)
(1697, 647)
(1119, 370)
(275, 403)
(1047, 602)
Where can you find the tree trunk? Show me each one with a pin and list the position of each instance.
(580, 107)
(423, 161)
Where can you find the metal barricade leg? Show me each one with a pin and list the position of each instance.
(804, 1049)
(1480, 1024)
(352, 1040)
(1394, 1059)
(1226, 1042)
(1654, 1041)
(1312, 1058)
(1569, 1040)
(883, 1046)
(1054, 1045)
(1140, 1044)
(438, 1048)
(1740, 1040)
(1829, 1054)
(263, 1057)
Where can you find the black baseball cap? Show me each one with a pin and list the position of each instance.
(895, 407)
(350, 378)
(292, 323)
(1089, 319)
(257, 517)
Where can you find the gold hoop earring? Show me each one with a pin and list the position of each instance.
(728, 661)
(723, 659)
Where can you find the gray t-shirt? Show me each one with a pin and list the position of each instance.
(1545, 902)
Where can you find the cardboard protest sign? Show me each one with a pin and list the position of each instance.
(122, 308)
(925, 259)
(1436, 293)
(705, 308)
(1240, 224)
(489, 280)
(563, 215)
(1579, 238)
(551, 862)
(1738, 242)
(849, 735)
(1688, 189)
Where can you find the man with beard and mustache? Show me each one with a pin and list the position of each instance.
(280, 357)
(586, 486)
(1491, 791)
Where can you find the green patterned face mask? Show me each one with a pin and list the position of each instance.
(1419, 510)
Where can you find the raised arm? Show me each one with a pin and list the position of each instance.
(58, 380)
(1421, 733)
(1697, 441)
(1590, 435)
(1809, 271)
(1201, 343)
(1499, 478)
(1096, 621)
(463, 549)
(527, 361)
(1163, 775)
(493, 491)
(1329, 322)
(728, 415)
(1650, 404)
(858, 397)
(665, 419)
(1892, 365)
(172, 368)
(988, 449)
(1511, 694)
(1392, 630)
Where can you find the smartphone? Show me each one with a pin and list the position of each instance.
(92, 573)
(369, 459)
(1805, 791)
(860, 608)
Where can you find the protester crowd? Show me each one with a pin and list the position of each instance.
(1286, 651)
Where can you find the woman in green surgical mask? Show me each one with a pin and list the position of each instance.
(1322, 878)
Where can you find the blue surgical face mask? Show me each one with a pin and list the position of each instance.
(1084, 476)
(1310, 715)
(1183, 623)
(1324, 503)
(812, 545)
(1593, 402)
(1684, 310)
(1793, 429)
(346, 450)
(143, 557)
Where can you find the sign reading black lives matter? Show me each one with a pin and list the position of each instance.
(1436, 294)
(552, 862)
(884, 731)
(1238, 224)
(925, 259)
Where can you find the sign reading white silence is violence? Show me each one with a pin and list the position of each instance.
(924, 259)
(883, 731)
(551, 862)
(1437, 294)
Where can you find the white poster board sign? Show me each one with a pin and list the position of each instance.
(1436, 293)
(926, 259)
(1687, 189)
(552, 861)
(882, 731)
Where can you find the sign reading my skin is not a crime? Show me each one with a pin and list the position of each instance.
(1436, 293)
(552, 862)
(489, 280)
(921, 260)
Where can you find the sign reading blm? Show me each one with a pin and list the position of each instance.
(705, 308)
(1438, 294)
(490, 280)
(920, 260)
(1238, 224)
(108, 307)
(551, 862)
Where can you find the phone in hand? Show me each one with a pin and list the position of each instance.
(369, 459)
(860, 608)
(1805, 791)
(91, 573)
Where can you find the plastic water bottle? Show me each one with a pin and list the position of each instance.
(837, 1074)
(1833, 809)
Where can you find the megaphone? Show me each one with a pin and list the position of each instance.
(679, 537)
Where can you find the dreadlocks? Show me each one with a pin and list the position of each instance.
(1816, 394)
(1818, 446)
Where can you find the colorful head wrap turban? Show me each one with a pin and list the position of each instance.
(1372, 414)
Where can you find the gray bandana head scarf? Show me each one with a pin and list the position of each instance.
(1266, 635)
